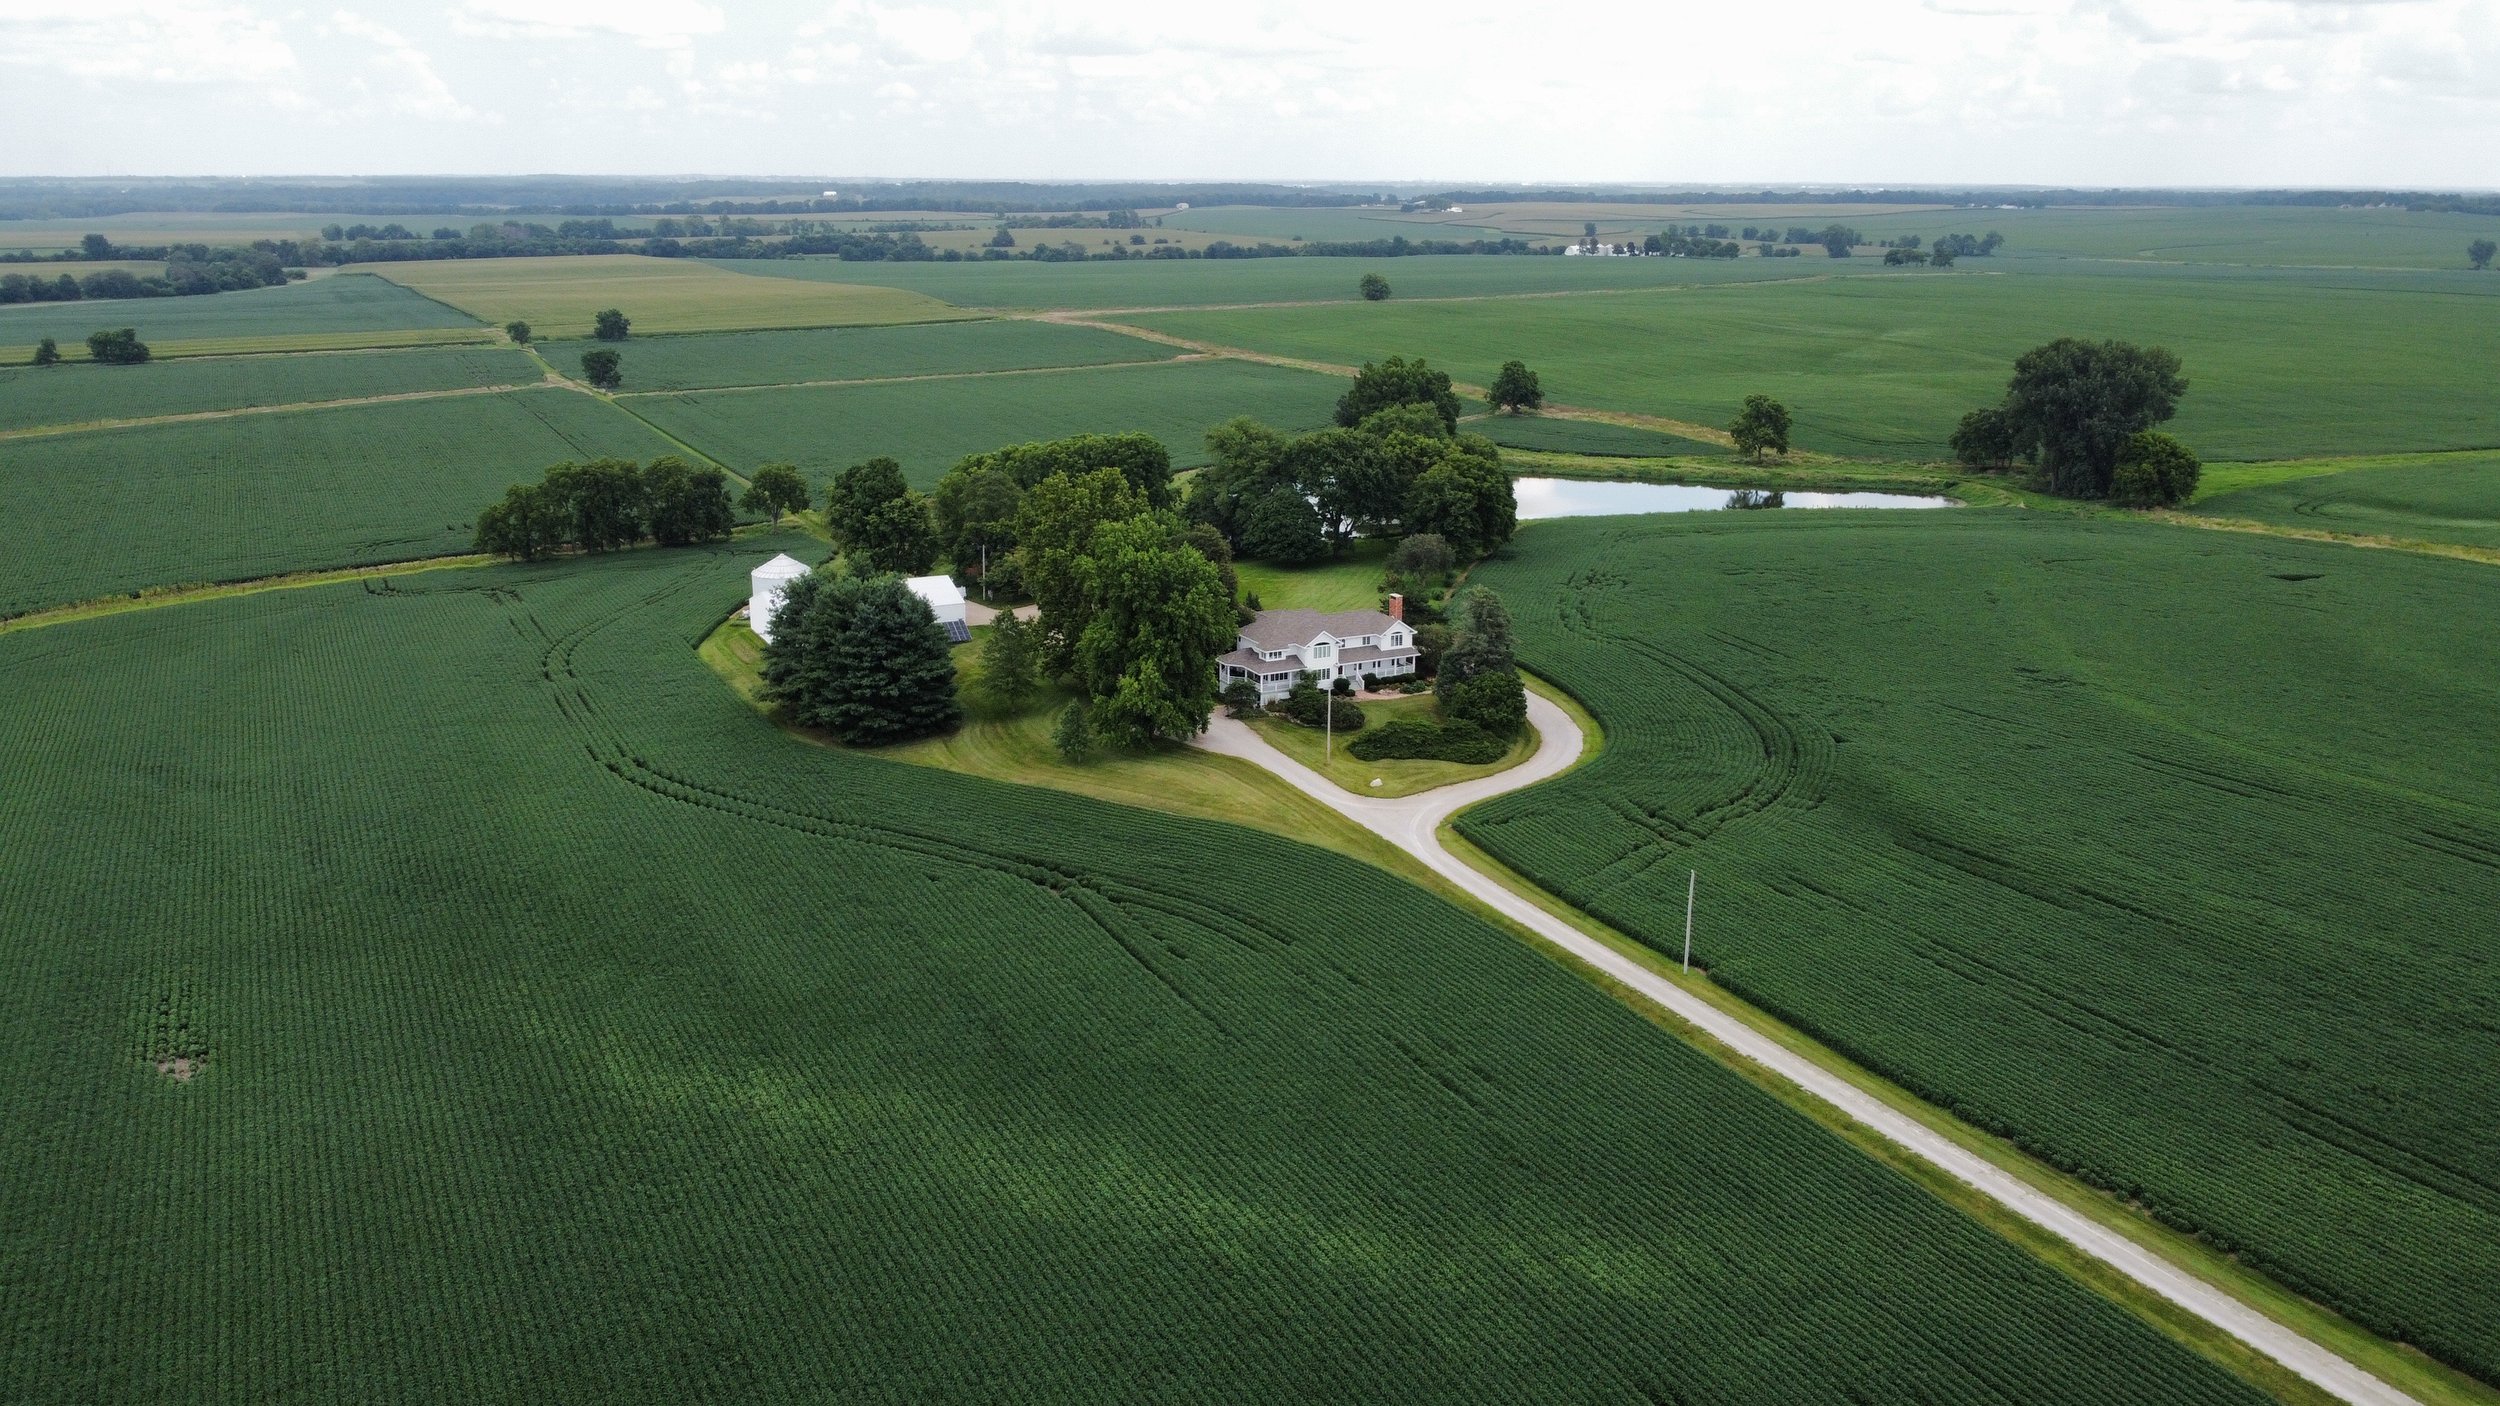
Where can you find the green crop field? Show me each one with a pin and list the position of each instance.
(110, 511)
(558, 297)
(83, 394)
(928, 425)
(1138, 283)
(859, 353)
(1586, 437)
(2443, 498)
(2278, 367)
(2170, 854)
(555, 1028)
(343, 311)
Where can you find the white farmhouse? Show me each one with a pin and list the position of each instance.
(1279, 646)
(765, 586)
(946, 601)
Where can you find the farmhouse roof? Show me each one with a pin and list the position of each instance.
(784, 567)
(1280, 629)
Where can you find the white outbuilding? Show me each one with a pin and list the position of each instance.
(946, 600)
(764, 588)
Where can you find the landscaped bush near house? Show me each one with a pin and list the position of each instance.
(1309, 706)
(1414, 739)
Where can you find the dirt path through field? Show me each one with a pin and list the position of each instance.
(1413, 823)
(1685, 428)
(195, 416)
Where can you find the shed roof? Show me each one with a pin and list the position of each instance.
(1283, 629)
(936, 590)
(784, 567)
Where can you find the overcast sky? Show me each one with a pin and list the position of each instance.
(2105, 92)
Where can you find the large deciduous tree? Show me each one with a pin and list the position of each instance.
(2154, 471)
(1398, 381)
(776, 489)
(1984, 439)
(1011, 661)
(863, 658)
(875, 517)
(687, 504)
(1157, 615)
(2074, 403)
(1055, 531)
(605, 500)
(528, 522)
(1515, 388)
(118, 346)
(610, 325)
(1760, 427)
(1467, 500)
(1374, 288)
(603, 368)
(2480, 252)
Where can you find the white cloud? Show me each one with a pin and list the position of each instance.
(402, 76)
(133, 41)
(658, 24)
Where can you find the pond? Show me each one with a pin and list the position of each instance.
(1576, 497)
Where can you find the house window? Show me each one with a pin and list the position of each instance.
(1322, 650)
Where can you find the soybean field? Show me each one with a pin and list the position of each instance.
(1598, 438)
(2281, 366)
(928, 425)
(2448, 498)
(561, 297)
(71, 395)
(112, 511)
(705, 362)
(341, 311)
(2168, 854)
(440, 988)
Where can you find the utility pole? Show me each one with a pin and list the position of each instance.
(1692, 882)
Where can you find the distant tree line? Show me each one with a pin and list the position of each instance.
(189, 270)
(607, 505)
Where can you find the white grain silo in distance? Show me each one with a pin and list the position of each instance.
(946, 599)
(765, 585)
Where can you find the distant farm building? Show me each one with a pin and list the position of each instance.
(765, 586)
(946, 599)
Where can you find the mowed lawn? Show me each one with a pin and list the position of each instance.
(82, 394)
(2453, 498)
(2169, 854)
(343, 310)
(559, 1029)
(2278, 367)
(112, 511)
(928, 425)
(718, 359)
(560, 297)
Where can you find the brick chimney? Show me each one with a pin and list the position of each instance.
(1397, 606)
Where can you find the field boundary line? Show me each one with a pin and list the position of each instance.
(1414, 824)
(192, 593)
(1633, 419)
(2457, 551)
(189, 417)
(927, 376)
(1081, 314)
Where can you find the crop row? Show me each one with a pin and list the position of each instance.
(572, 1032)
(2173, 866)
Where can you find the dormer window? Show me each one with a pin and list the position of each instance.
(1322, 650)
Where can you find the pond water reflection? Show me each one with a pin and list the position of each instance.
(1574, 497)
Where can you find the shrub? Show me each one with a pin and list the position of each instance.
(2154, 471)
(1241, 698)
(1416, 740)
(1495, 701)
(1309, 707)
(1375, 288)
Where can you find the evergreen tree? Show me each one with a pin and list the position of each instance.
(1011, 662)
(862, 658)
(1073, 734)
